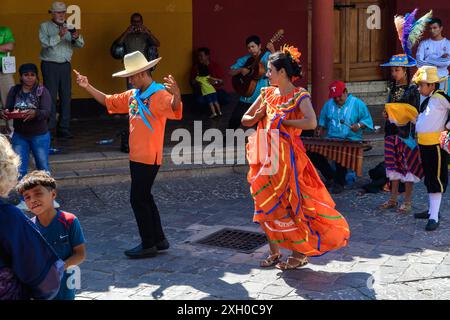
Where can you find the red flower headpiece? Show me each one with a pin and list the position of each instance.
(292, 52)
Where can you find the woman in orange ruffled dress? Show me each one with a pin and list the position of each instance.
(292, 204)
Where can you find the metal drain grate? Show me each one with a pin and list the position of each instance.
(240, 240)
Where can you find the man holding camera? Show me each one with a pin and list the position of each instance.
(58, 39)
(137, 37)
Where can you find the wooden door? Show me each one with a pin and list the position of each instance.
(358, 50)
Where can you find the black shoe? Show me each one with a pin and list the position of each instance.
(337, 189)
(422, 215)
(140, 253)
(163, 245)
(432, 225)
(64, 135)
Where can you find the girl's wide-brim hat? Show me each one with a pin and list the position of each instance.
(135, 63)
(428, 74)
(401, 60)
(401, 113)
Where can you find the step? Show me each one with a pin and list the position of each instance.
(108, 168)
(120, 175)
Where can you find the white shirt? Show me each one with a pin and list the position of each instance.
(430, 53)
(435, 116)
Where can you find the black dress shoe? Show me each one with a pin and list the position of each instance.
(163, 245)
(422, 215)
(141, 253)
(432, 225)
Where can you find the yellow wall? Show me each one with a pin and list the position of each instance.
(102, 21)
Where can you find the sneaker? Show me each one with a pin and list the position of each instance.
(56, 204)
(432, 225)
(213, 116)
(22, 206)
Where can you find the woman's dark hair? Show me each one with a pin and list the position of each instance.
(254, 39)
(284, 61)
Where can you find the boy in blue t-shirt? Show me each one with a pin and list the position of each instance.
(62, 230)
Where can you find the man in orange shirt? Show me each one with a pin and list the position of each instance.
(149, 107)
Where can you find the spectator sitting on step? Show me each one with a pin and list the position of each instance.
(343, 117)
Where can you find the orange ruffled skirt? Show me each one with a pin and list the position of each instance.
(292, 204)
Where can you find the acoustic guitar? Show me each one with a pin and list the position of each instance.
(245, 85)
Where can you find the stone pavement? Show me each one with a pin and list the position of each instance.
(389, 256)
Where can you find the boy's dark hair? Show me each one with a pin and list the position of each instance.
(34, 179)
(435, 20)
(204, 50)
(203, 70)
(254, 39)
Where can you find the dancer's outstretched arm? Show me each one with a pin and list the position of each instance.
(83, 82)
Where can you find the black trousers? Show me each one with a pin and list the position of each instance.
(435, 167)
(238, 113)
(323, 165)
(58, 80)
(144, 206)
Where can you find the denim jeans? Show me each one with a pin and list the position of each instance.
(38, 145)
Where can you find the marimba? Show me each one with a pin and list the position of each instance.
(349, 154)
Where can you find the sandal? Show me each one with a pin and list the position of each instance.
(271, 260)
(406, 207)
(288, 265)
(390, 204)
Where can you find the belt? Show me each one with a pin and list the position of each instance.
(429, 138)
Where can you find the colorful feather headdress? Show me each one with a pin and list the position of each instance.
(411, 30)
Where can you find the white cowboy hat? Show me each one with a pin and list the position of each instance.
(58, 6)
(428, 74)
(135, 63)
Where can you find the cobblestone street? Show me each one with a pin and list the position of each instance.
(389, 256)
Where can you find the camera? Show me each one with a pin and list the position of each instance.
(69, 27)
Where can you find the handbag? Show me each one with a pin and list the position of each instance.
(9, 64)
